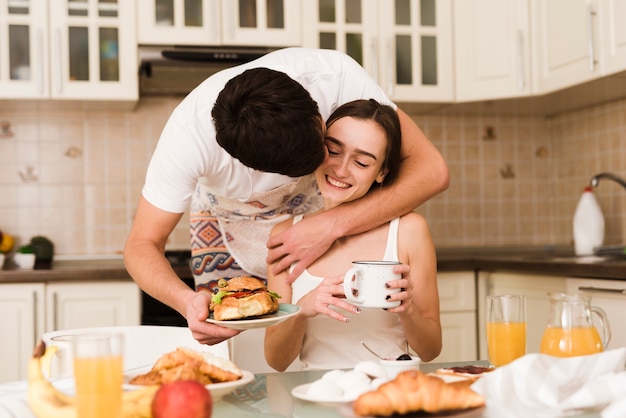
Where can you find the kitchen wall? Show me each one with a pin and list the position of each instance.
(74, 174)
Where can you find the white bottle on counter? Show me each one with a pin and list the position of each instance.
(588, 224)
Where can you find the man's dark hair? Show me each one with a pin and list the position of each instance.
(385, 117)
(269, 122)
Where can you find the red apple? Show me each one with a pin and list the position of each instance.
(182, 399)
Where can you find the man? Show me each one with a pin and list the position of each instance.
(240, 148)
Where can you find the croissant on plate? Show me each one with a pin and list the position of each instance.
(413, 391)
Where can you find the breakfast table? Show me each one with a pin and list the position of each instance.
(267, 395)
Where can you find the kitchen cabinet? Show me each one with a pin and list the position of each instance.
(91, 304)
(614, 35)
(21, 325)
(29, 310)
(576, 41)
(534, 286)
(215, 22)
(610, 296)
(492, 52)
(68, 49)
(457, 305)
(405, 45)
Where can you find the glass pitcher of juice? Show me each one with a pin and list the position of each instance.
(570, 330)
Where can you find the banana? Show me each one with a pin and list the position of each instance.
(138, 403)
(46, 401)
(43, 398)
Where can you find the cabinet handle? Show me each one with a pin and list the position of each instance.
(592, 289)
(390, 70)
(374, 59)
(590, 14)
(57, 61)
(214, 20)
(54, 311)
(41, 58)
(521, 79)
(231, 19)
(35, 336)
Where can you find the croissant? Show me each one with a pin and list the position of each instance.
(413, 391)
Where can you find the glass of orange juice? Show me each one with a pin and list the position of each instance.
(506, 328)
(98, 377)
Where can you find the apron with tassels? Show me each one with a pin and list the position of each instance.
(229, 237)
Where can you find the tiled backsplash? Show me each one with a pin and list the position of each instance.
(75, 175)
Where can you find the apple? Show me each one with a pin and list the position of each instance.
(182, 399)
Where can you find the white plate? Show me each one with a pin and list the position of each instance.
(301, 392)
(218, 390)
(285, 311)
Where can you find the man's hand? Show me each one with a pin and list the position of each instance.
(302, 243)
(202, 331)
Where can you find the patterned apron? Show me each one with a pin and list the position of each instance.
(228, 236)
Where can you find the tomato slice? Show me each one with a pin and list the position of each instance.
(239, 295)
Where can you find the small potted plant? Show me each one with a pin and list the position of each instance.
(43, 249)
(24, 257)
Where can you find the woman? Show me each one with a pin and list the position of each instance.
(363, 145)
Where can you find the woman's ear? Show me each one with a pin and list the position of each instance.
(381, 176)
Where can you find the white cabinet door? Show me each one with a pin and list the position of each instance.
(21, 319)
(92, 304)
(219, 22)
(566, 43)
(491, 49)
(610, 295)
(24, 50)
(459, 337)
(93, 50)
(614, 35)
(457, 303)
(535, 287)
(261, 22)
(343, 25)
(415, 50)
(178, 22)
(406, 46)
(64, 49)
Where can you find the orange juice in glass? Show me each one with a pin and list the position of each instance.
(98, 375)
(506, 341)
(506, 328)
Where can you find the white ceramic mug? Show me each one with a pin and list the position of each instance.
(61, 364)
(364, 284)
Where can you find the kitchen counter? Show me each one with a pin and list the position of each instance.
(560, 261)
(541, 260)
(77, 269)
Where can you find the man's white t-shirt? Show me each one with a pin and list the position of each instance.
(187, 152)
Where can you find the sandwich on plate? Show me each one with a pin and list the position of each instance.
(242, 297)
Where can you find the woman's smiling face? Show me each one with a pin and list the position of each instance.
(356, 151)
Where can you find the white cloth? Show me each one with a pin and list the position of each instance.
(13, 397)
(330, 344)
(187, 150)
(542, 386)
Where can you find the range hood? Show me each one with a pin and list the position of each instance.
(174, 70)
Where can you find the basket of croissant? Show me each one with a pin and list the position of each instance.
(413, 392)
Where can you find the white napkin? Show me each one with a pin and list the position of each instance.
(539, 385)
